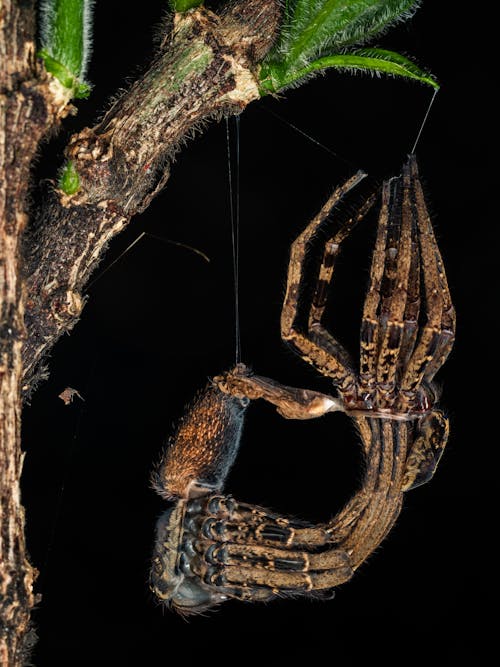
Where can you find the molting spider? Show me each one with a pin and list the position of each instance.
(210, 547)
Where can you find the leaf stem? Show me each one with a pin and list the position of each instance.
(65, 38)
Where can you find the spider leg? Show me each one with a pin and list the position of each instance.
(362, 525)
(394, 290)
(290, 402)
(317, 347)
(448, 320)
(412, 309)
(317, 332)
(345, 521)
(283, 583)
(390, 313)
(387, 499)
(438, 334)
(222, 519)
(242, 550)
(369, 324)
(265, 567)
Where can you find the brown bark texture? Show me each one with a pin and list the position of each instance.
(26, 111)
(205, 67)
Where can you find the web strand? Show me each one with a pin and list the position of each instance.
(142, 235)
(424, 121)
(234, 212)
(309, 138)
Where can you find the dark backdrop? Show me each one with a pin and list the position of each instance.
(160, 321)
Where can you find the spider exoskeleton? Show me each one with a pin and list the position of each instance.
(209, 547)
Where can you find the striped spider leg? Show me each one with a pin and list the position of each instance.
(223, 549)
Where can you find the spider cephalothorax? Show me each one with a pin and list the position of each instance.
(210, 547)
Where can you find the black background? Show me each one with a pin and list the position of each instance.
(160, 321)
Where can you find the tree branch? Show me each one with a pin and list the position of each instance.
(29, 105)
(206, 67)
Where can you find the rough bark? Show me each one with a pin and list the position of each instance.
(29, 104)
(206, 67)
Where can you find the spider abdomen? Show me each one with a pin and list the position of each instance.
(204, 447)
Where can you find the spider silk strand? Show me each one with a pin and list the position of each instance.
(424, 121)
(139, 238)
(234, 213)
(307, 136)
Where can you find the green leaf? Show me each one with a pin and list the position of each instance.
(65, 34)
(315, 28)
(367, 60)
(184, 5)
(318, 34)
(390, 62)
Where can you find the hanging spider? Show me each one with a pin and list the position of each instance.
(209, 547)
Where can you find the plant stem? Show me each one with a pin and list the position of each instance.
(67, 42)
(207, 69)
(25, 116)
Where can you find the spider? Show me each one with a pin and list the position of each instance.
(209, 547)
